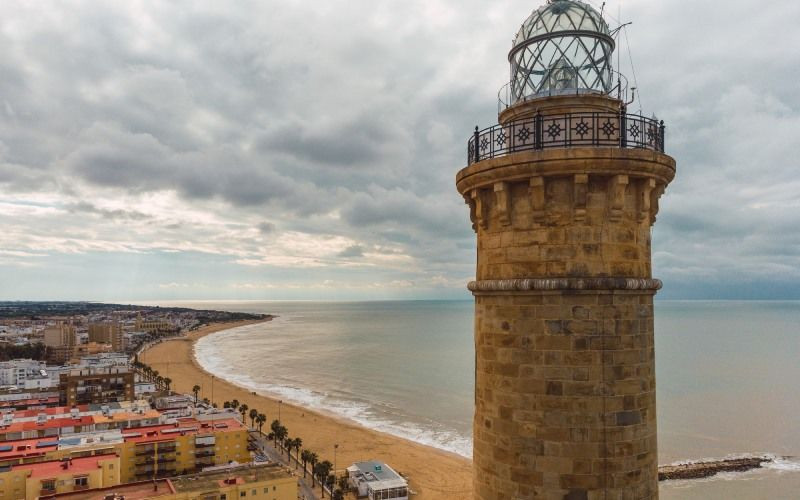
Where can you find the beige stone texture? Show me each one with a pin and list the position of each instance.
(565, 404)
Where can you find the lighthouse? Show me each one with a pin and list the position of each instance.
(563, 192)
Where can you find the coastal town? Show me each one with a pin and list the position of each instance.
(85, 416)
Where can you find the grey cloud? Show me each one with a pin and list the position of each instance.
(266, 228)
(328, 126)
(88, 208)
(353, 251)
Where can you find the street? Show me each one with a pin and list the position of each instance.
(266, 449)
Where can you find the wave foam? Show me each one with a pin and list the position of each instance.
(434, 435)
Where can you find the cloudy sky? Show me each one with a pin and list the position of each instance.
(307, 150)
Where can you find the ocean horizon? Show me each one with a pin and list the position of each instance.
(726, 371)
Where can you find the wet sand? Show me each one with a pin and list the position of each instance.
(432, 473)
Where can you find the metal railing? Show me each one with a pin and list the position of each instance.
(568, 130)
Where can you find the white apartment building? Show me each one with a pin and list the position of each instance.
(29, 374)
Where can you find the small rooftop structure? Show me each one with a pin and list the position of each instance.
(377, 480)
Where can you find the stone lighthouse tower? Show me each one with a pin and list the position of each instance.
(563, 193)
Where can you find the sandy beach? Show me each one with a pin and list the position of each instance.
(432, 473)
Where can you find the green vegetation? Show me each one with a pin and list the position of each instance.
(37, 352)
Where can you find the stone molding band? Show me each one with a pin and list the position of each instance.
(556, 284)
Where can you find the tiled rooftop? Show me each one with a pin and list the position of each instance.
(53, 468)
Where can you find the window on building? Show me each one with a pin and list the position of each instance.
(48, 484)
(82, 481)
(243, 494)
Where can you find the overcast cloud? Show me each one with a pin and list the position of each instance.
(308, 149)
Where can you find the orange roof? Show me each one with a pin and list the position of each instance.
(130, 491)
(54, 468)
(25, 448)
(146, 434)
(30, 402)
(49, 424)
(156, 433)
(56, 410)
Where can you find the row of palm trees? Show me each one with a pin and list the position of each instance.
(148, 373)
(321, 470)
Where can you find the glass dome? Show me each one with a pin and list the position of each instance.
(564, 47)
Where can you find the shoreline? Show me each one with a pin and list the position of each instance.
(432, 472)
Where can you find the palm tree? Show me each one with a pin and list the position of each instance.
(226, 404)
(323, 471)
(196, 391)
(305, 457)
(253, 414)
(235, 404)
(262, 419)
(243, 410)
(280, 434)
(167, 382)
(297, 443)
(312, 459)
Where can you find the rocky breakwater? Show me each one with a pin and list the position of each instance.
(699, 470)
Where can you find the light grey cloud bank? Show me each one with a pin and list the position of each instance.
(308, 150)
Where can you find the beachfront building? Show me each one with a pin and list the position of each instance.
(377, 481)
(145, 452)
(563, 194)
(234, 482)
(43, 479)
(154, 326)
(59, 421)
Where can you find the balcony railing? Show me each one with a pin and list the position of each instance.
(567, 130)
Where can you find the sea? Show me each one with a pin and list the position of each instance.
(727, 374)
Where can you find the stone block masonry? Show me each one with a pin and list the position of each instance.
(565, 402)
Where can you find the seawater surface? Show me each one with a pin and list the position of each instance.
(727, 376)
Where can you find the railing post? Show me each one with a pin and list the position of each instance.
(477, 152)
(623, 130)
(661, 130)
(538, 131)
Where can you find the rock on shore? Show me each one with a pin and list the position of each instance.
(699, 470)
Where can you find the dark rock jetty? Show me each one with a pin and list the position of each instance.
(699, 470)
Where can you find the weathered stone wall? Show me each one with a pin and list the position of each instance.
(565, 369)
(565, 396)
